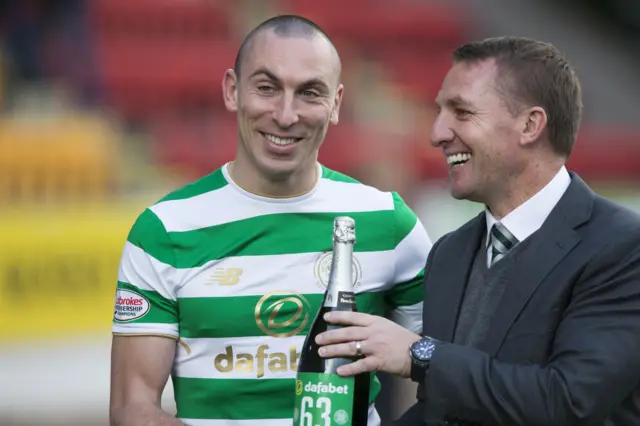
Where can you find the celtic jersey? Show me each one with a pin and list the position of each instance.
(237, 279)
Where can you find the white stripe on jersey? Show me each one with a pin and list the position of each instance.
(305, 273)
(145, 272)
(227, 205)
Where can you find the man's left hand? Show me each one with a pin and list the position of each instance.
(384, 344)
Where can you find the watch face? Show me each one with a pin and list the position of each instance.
(423, 349)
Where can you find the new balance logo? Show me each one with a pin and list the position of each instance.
(225, 276)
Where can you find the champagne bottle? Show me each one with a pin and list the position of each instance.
(322, 397)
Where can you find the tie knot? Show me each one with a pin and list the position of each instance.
(501, 242)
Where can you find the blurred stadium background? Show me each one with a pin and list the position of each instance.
(106, 105)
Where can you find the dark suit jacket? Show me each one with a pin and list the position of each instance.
(564, 345)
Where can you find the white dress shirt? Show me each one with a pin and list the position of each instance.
(528, 217)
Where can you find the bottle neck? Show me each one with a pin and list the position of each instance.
(341, 272)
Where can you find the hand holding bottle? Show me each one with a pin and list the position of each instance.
(384, 343)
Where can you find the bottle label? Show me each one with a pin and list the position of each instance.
(346, 301)
(323, 400)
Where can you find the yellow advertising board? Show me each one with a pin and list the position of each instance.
(58, 269)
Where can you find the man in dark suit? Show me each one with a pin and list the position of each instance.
(532, 308)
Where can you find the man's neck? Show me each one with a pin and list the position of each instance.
(295, 185)
(522, 189)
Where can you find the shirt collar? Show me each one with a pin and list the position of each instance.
(530, 215)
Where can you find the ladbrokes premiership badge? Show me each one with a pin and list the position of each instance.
(130, 305)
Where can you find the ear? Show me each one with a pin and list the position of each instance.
(534, 124)
(230, 90)
(337, 101)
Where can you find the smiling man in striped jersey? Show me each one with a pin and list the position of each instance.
(219, 280)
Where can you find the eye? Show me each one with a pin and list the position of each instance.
(462, 113)
(309, 93)
(265, 88)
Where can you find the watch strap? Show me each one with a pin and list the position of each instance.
(418, 371)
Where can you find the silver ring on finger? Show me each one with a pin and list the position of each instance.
(359, 348)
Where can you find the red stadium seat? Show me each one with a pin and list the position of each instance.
(158, 55)
(144, 78)
(194, 146)
(607, 153)
(417, 73)
(373, 23)
(163, 19)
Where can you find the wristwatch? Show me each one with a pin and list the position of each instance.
(421, 352)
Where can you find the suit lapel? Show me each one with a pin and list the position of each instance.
(447, 281)
(553, 241)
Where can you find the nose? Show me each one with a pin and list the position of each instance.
(441, 131)
(285, 113)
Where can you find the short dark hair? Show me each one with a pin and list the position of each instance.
(533, 73)
(282, 25)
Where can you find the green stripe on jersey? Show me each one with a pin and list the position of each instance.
(149, 234)
(288, 233)
(238, 399)
(407, 293)
(241, 316)
(405, 219)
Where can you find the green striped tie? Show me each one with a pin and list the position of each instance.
(501, 242)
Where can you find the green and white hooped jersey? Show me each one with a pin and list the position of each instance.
(237, 279)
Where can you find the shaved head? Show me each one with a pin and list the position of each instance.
(286, 92)
(283, 26)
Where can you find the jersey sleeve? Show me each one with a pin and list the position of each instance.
(145, 301)
(405, 296)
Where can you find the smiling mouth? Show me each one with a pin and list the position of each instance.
(280, 141)
(457, 160)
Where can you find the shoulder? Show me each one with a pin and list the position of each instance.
(608, 253)
(597, 219)
(465, 231)
(346, 187)
(615, 227)
(450, 243)
(179, 209)
(161, 216)
(614, 215)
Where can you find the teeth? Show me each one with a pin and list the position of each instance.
(280, 141)
(458, 158)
